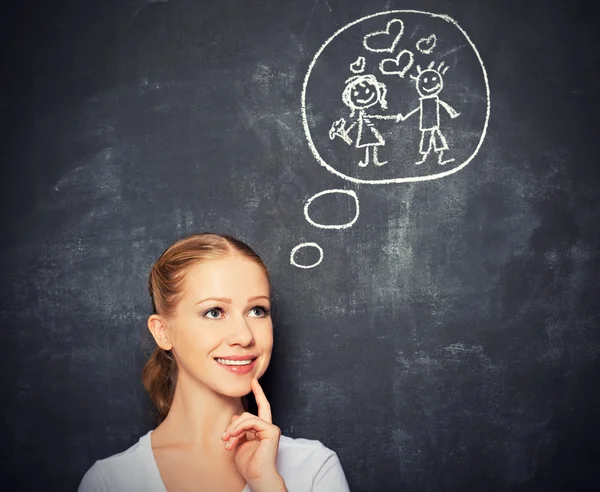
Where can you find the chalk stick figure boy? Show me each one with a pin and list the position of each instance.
(429, 84)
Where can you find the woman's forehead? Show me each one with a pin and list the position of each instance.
(232, 274)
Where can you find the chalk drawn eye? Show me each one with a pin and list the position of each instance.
(356, 93)
(433, 79)
(367, 90)
(425, 80)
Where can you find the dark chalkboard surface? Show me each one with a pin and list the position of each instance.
(435, 324)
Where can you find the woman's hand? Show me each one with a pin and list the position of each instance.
(255, 441)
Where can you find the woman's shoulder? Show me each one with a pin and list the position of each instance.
(129, 466)
(310, 463)
(303, 448)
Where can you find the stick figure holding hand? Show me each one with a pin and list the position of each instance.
(429, 84)
(363, 92)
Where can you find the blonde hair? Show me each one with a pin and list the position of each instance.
(166, 284)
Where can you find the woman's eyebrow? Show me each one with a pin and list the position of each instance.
(226, 300)
(254, 298)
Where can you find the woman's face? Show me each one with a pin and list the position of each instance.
(224, 313)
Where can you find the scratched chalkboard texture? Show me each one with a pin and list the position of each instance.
(422, 179)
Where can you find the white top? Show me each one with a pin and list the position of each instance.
(306, 466)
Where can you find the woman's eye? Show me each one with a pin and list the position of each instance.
(213, 313)
(259, 312)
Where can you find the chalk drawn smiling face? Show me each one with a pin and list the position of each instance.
(361, 93)
(429, 83)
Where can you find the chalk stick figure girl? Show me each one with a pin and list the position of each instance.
(362, 92)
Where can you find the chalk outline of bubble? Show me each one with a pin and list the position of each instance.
(303, 245)
(347, 225)
(426, 39)
(410, 179)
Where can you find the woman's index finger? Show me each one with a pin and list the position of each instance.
(264, 407)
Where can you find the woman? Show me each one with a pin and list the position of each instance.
(212, 325)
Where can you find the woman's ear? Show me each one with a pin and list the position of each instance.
(158, 327)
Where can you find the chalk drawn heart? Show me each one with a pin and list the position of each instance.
(426, 45)
(399, 65)
(359, 65)
(385, 41)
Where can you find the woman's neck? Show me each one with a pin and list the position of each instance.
(198, 416)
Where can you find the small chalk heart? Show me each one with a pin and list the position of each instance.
(359, 65)
(399, 65)
(385, 41)
(426, 45)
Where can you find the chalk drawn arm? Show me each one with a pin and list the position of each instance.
(449, 109)
(382, 116)
(399, 116)
(338, 129)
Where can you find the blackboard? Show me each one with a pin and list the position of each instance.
(440, 329)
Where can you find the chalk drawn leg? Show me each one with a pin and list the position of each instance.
(440, 145)
(441, 160)
(376, 160)
(365, 163)
(422, 160)
(426, 139)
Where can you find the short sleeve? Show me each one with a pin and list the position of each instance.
(330, 476)
(93, 480)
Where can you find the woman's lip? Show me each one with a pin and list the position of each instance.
(238, 357)
(239, 369)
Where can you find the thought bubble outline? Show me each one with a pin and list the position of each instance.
(430, 177)
(351, 193)
(304, 245)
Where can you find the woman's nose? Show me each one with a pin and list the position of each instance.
(240, 334)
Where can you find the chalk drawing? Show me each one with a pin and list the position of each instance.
(430, 83)
(380, 92)
(378, 81)
(393, 31)
(332, 226)
(399, 65)
(361, 93)
(306, 245)
(426, 45)
(358, 66)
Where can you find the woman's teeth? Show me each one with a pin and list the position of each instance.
(234, 362)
